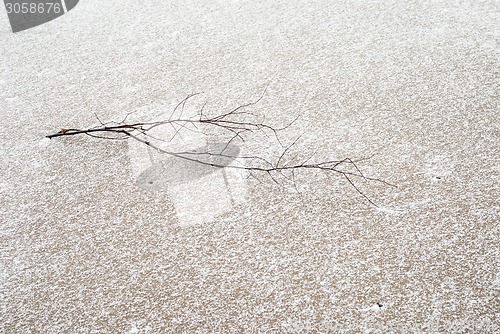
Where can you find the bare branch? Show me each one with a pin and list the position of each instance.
(234, 124)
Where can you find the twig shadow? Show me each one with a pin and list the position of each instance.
(172, 171)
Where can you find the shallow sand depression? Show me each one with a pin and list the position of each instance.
(104, 236)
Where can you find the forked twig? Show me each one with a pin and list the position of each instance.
(235, 125)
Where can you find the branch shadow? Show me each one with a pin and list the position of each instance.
(172, 171)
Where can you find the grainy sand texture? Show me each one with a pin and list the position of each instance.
(104, 236)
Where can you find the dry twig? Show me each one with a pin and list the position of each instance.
(236, 124)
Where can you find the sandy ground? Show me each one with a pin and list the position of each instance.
(87, 247)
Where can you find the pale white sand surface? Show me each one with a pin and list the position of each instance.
(97, 237)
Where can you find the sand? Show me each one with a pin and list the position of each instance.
(88, 247)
